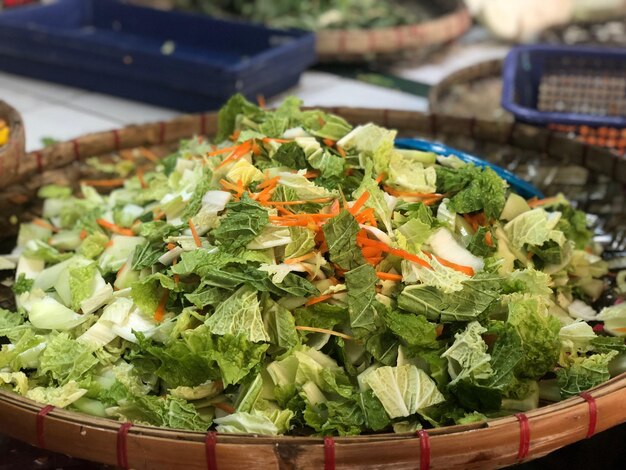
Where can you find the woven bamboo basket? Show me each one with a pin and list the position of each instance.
(477, 90)
(450, 21)
(452, 94)
(408, 41)
(492, 444)
(11, 153)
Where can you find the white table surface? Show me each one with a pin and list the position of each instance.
(61, 112)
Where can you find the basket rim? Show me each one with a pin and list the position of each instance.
(466, 74)
(335, 43)
(14, 149)
(575, 414)
(602, 390)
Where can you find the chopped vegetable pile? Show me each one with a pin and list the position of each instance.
(302, 273)
(317, 15)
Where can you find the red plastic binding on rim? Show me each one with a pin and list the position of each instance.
(41, 436)
(116, 139)
(76, 146)
(203, 124)
(524, 436)
(593, 413)
(161, 132)
(122, 445)
(39, 159)
(329, 453)
(424, 449)
(210, 443)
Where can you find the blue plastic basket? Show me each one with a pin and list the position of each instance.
(178, 60)
(568, 85)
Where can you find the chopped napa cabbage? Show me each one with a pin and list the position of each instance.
(403, 390)
(614, 319)
(468, 357)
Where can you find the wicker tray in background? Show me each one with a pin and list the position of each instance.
(401, 42)
(448, 20)
(476, 91)
(493, 444)
(11, 153)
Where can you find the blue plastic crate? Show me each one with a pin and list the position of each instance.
(178, 60)
(588, 83)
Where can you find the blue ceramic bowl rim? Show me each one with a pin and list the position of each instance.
(522, 187)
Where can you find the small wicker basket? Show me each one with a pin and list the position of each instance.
(409, 41)
(491, 444)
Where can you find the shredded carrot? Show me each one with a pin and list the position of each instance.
(222, 150)
(120, 270)
(268, 182)
(194, 234)
(410, 257)
(158, 215)
(396, 192)
(171, 246)
(255, 148)
(329, 142)
(341, 151)
(106, 183)
(438, 330)
(488, 239)
(225, 407)
(128, 155)
(235, 135)
(457, 267)
(111, 227)
(388, 276)
(300, 258)
(159, 313)
(321, 298)
(312, 216)
(264, 196)
(371, 252)
(148, 154)
(83, 234)
(261, 100)
(284, 211)
(238, 153)
(320, 119)
(325, 331)
(296, 203)
(380, 178)
(542, 202)
(619, 330)
(334, 208)
(142, 182)
(311, 174)
(366, 216)
(430, 202)
(108, 244)
(360, 202)
(278, 141)
(232, 187)
(476, 220)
